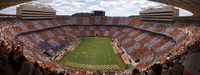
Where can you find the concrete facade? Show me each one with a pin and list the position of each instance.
(159, 14)
(35, 12)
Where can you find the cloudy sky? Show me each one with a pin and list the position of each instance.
(111, 7)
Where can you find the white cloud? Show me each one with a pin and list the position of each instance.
(184, 12)
(90, 0)
(118, 12)
(78, 4)
(45, 1)
(95, 7)
(108, 3)
(9, 10)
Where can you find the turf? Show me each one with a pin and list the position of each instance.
(93, 53)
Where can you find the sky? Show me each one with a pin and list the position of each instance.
(111, 7)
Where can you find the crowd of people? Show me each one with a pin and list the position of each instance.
(13, 62)
(187, 63)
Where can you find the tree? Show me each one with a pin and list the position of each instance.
(82, 14)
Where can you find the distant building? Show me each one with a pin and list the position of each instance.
(29, 11)
(167, 13)
(98, 13)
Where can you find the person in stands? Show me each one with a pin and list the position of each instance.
(36, 70)
(156, 69)
(5, 67)
(136, 72)
(26, 69)
(192, 64)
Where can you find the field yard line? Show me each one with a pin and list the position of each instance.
(84, 55)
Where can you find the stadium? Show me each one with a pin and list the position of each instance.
(37, 41)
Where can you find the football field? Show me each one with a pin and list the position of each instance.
(93, 53)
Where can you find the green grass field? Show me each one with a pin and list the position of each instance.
(93, 53)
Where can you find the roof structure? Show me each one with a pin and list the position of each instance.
(190, 5)
(8, 3)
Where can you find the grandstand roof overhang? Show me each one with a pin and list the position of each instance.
(8, 3)
(190, 5)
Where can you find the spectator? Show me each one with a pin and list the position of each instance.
(145, 73)
(53, 73)
(18, 64)
(36, 70)
(136, 72)
(2, 45)
(192, 64)
(156, 69)
(42, 70)
(11, 58)
(26, 69)
(5, 67)
(60, 73)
